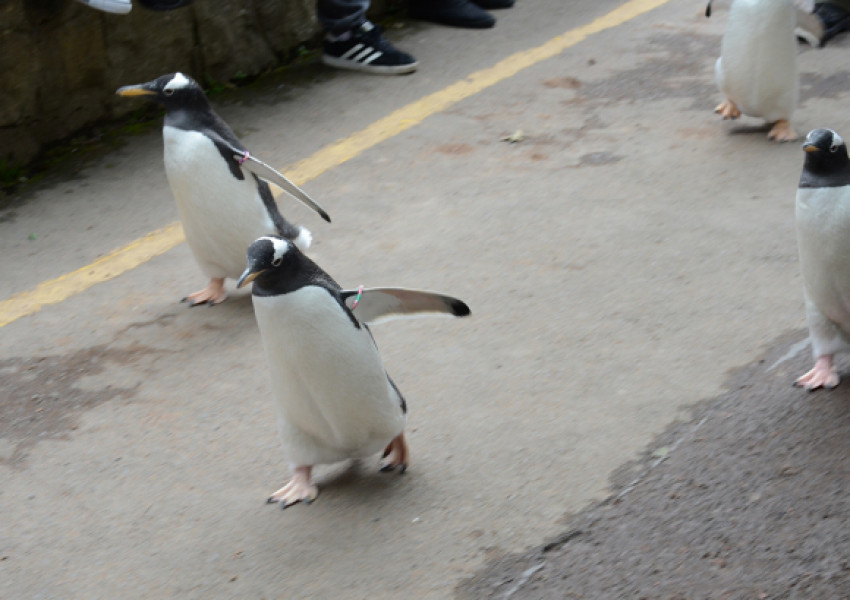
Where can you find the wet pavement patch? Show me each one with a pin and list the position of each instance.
(832, 86)
(42, 398)
(747, 499)
(675, 69)
(599, 158)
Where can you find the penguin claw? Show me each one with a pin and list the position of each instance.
(782, 132)
(298, 489)
(212, 294)
(397, 454)
(822, 375)
(728, 110)
(389, 468)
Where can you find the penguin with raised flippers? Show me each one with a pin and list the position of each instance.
(823, 236)
(757, 68)
(333, 397)
(223, 200)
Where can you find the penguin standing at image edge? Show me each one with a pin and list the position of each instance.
(220, 189)
(333, 397)
(823, 236)
(757, 69)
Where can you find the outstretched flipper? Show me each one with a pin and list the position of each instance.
(242, 158)
(264, 171)
(381, 304)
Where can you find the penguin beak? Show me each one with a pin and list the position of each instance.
(143, 89)
(808, 147)
(248, 276)
(708, 9)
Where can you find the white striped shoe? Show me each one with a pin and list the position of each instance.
(365, 49)
(117, 7)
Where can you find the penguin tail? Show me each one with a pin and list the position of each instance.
(304, 239)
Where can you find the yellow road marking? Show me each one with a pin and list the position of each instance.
(160, 241)
(103, 269)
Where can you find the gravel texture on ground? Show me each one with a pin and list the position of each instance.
(747, 499)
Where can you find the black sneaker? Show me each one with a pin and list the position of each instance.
(457, 13)
(494, 4)
(834, 19)
(365, 49)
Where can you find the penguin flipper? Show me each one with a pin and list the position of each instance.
(381, 304)
(284, 228)
(237, 157)
(264, 171)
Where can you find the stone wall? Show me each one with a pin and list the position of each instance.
(61, 62)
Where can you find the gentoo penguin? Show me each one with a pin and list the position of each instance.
(223, 203)
(823, 236)
(757, 68)
(334, 399)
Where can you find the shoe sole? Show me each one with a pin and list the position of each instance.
(115, 8)
(343, 63)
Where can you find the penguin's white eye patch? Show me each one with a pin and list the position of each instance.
(836, 142)
(179, 81)
(280, 248)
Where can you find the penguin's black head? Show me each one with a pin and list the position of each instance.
(173, 91)
(269, 258)
(826, 152)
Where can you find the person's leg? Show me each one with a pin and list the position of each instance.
(456, 13)
(494, 4)
(845, 4)
(339, 16)
(835, 17)
(352, 42)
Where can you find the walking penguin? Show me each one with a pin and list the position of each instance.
(757, 68)
(223, 200)
(333, 397)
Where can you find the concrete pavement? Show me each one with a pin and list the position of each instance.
(618, 261)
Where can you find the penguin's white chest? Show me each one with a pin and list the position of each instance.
(221, 214)
(757, 68)
(823, 236)
(331, 391)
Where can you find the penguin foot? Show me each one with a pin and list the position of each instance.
(212, 294)
(727, 110)
(823, 374)
(782, 132)
(298, 489)
(396, 454)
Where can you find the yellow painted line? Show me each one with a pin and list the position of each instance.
(103, 269)
(416, 112)
(160, 241)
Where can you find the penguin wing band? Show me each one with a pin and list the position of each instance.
(264, 171)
